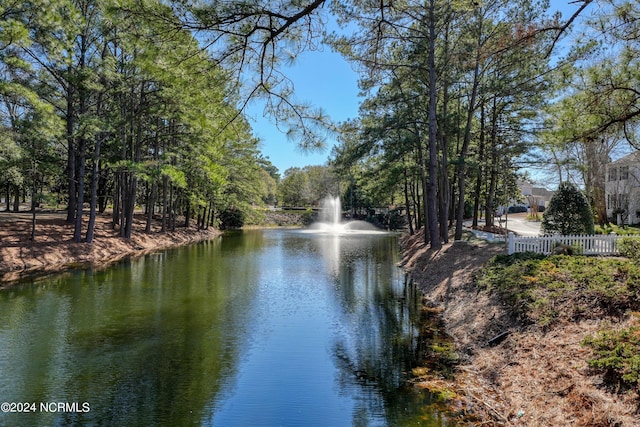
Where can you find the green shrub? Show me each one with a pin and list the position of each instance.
(577, 249)
(254, 216)
(626, 230)
(630, 248)
(507, 260)
(568, 213)
(513, 277)
(534, 217)
(308, 217)
(617, 355)
(543, 289)
(231, 218)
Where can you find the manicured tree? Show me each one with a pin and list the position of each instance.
(568, 212)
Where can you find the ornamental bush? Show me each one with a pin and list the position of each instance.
(630, 247)
(568, 212)
(617, 355)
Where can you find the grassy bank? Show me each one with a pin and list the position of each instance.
(544, 292)
(542, 341)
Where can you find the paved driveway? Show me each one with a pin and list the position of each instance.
(515, 222)
(518, 223)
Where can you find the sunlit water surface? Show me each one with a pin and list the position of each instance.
(257, 328)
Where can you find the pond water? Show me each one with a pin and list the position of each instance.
(256, 328)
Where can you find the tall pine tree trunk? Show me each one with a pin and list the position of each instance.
(172, 213)
(425, 191)
(187, 216)
(418, 205)
(480, 170)
(165, 206)
(462, 166)
(406, 200)
(212, 215)
(94, 190)
(493, 168)
(444, 197)
(82, 151)
(102, 189)
(131, 204)
(117, 199)
(432, 191)
(34, 202)
(71, 158)
(16, 199)
(151, 204)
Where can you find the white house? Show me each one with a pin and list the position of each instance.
(622, 189)
(535, 196)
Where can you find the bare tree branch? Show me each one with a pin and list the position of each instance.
(561, 29)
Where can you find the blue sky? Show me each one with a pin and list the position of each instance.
(323, 79)
(327, 81)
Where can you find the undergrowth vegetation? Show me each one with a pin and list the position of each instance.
(630, 248)
(633, 230)
(545, 290)
(617, 355)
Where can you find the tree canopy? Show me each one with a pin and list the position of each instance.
(127, 104)
(130, 106)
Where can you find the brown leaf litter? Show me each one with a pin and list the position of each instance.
(53, 250)
(534, 377)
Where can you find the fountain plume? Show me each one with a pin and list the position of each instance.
(330, 220)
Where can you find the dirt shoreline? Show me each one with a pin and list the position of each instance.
(533, 377)
(53, 250)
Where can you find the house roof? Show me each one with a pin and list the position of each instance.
(534, 191)
(629, 158)
(543, 192)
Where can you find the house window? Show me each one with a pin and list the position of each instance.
(613, 174)
(618, 201)
(623, 201)
(624, 172)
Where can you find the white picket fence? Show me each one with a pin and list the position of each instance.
(591, 244)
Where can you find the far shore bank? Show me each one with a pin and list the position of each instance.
(528, 376)
(53, 250)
